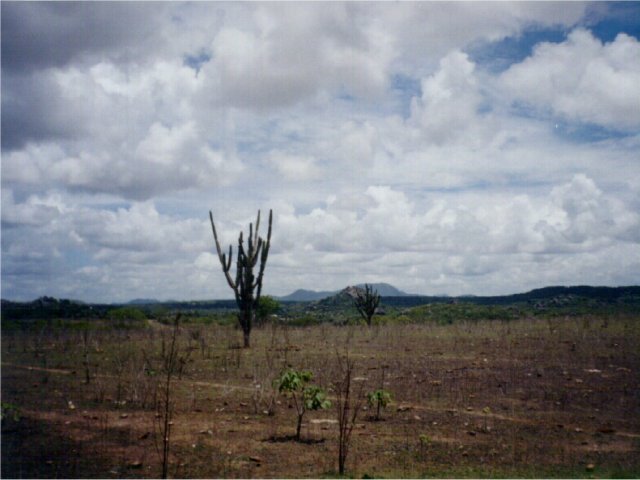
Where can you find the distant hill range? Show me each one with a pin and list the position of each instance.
(583, 299)
(144, 301)
(383, 289)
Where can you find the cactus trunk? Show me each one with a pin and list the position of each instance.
(246, 286)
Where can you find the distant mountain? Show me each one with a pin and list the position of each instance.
(302, 295)
(343, 298)
(384, 290)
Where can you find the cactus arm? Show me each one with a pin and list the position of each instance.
(264, 253)
(226, 262)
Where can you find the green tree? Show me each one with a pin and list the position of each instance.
(127, 317)
(267, 306)
(293, 383)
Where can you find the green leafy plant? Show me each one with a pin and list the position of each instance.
(379, 399)
(267, 306)
(424, 441)
(127, 318)
(293, 383)
(9, 410)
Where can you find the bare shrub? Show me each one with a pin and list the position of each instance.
(348, 405)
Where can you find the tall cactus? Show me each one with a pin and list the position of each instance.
(246, 286)
(367, 302)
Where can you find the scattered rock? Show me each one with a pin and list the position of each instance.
(206, 432)
(590, 467)
(124, 415)
(404, 408)
(71, 405)
(323, 421)
(417, 417)
(471, 432)
(257, 460)
(135, 464)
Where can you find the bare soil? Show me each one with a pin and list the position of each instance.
(527, 398)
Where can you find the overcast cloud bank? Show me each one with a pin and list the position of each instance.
(399, 143)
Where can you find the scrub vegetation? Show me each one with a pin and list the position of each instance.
(476, 390)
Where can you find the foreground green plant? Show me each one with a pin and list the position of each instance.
(293, 383)
(379, 399)
(9, 410)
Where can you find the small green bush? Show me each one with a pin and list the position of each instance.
(127, 317)
(293, 383)
(379, 399)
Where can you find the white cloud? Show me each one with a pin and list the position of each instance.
(450, 100)
(582, 80)
(296, 52)
(386, 152)
(295, 168)
(425, 31)
(33, 212)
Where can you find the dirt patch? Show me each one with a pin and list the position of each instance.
(476, 399)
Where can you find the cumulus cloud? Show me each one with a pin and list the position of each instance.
(37, 35)
(450, 100)
(455, 244)
(296, 168)
(578, 211)
(293, 52)
(385, 150)
(427, 31)
(582, 79)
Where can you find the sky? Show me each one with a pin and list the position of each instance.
(442, 147)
